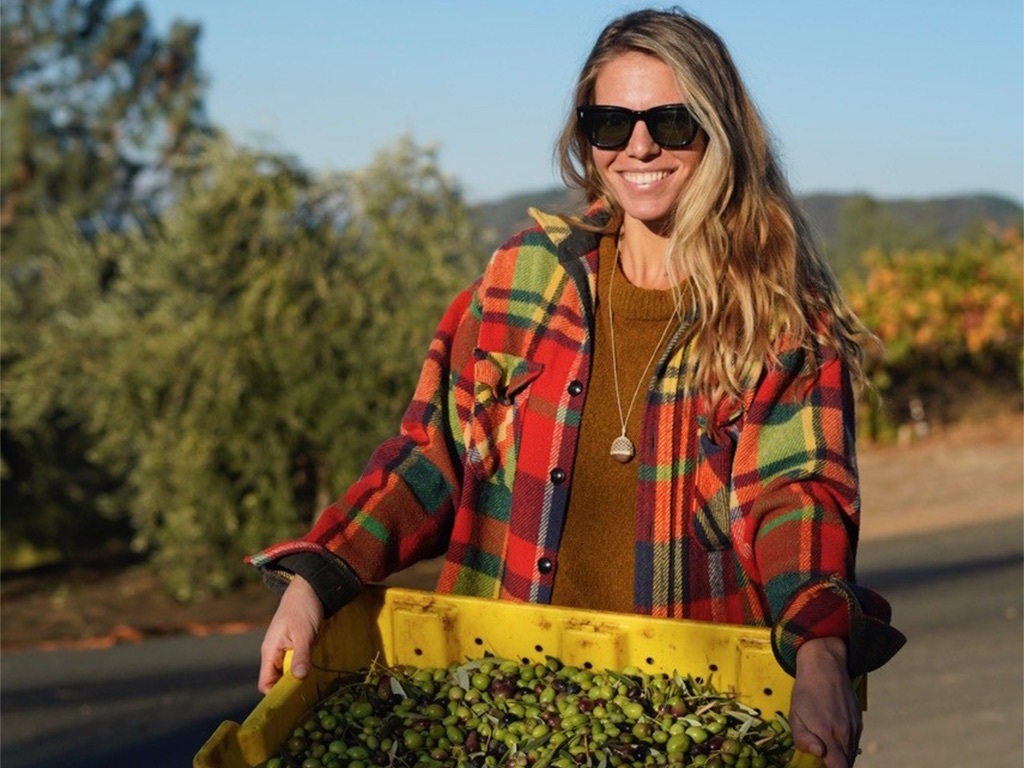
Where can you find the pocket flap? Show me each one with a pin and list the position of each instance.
(501, 376)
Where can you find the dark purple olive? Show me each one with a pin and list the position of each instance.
(553, 720)
(502, 688)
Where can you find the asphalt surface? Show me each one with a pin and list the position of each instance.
(953, 696)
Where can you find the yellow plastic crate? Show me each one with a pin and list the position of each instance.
(401, 626)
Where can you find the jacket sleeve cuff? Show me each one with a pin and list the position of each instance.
(333, 580)
(834, 608)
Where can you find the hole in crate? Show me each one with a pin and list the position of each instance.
(778, 713)
(713, 667)
(587, 665)
(418, 651)
(699, 680)
(649, 660)
(478, 641)
(767, 691)
(538, 648)
(526, 660)
(757, 712)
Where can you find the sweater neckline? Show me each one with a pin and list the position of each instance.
(630, 301)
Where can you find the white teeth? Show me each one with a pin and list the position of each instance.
(645, 178)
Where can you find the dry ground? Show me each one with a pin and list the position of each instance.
(954, 476)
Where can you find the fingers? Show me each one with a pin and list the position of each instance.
(271, 666)
(837, 749)
(294, 626)
(804, 740)
(298, 637)
(824, 711)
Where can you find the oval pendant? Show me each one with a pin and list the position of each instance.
(622, 449)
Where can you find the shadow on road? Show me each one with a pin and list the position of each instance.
(154, 720)
(170, 750)
(908, 577)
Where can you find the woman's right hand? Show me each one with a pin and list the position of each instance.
(295, 624)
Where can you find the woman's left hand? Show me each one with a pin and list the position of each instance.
(824, 711)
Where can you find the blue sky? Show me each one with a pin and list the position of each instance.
(895, 98)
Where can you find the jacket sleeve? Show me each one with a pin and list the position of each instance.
(796, 484)
(400, 509)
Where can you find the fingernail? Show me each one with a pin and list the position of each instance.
(299, 670)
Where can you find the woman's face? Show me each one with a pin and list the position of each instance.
(645, 178)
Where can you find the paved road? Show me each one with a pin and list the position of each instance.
(953, 696)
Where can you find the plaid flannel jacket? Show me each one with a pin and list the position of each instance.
(748, 515)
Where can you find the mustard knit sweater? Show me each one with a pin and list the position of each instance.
(595, 556)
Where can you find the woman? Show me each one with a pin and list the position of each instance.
(673, 369)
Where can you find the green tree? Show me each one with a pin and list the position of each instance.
(241, 366)
(864, 224)
(51, 480)
(95, 110)
(94, 105)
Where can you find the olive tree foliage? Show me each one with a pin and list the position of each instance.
(238, 369)
(94, 105)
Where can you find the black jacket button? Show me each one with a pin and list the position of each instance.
(575, 387)
(557, 475)
(544, 565)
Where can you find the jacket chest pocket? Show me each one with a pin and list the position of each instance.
(501, 385)
(716, 451)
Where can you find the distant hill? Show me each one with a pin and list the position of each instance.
(940, 218)
(846, 225)
(504, 217)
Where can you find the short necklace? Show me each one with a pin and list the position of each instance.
(623, 450)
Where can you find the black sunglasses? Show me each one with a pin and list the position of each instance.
(671, 125)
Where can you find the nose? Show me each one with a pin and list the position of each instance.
(641, 145)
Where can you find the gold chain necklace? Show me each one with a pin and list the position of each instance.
(623, 449)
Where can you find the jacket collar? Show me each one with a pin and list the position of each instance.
(571, 241)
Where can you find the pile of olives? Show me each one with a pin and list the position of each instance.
(494, 713)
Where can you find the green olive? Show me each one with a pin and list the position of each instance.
(481, 681)
(434, 711)
(678, 743)
(731, 747)
(633, 710)
(412, 739)
(698, 734)
(360, 710)
(642, 730)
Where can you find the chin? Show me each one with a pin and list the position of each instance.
(656, 218)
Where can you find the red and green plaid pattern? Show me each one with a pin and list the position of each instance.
(747, 515)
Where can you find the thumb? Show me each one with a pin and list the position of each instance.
(804, 740)
(300, 658)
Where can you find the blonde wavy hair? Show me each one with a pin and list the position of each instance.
(737, 236)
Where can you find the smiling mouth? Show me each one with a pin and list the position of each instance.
(646, 178)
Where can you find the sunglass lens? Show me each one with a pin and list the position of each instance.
(672, 126)
(609, 129)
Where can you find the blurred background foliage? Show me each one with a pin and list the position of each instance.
(950, 322)
(202, 343)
